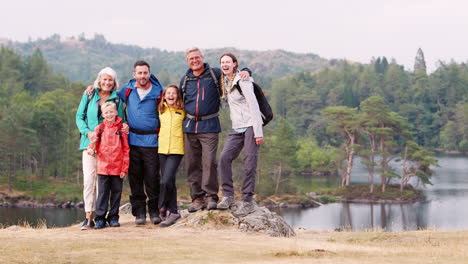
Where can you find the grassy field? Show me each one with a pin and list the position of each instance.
(152, 244)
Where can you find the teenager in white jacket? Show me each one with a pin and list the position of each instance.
(247, 133)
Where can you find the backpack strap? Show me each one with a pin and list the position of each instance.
(237, 86)
(184, 84)
(89, 99)
(213, 76)
(215, 80)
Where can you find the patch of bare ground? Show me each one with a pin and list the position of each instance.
(220, 243)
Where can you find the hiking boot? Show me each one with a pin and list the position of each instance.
(196, 205)
(140, 220)
(100, 224)
(155, 219)
(211, 203)
(226, 203)
(245, 209)
(114, 223)
(171, 219)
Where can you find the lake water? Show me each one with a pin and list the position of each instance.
(53, 217)
(445, 207)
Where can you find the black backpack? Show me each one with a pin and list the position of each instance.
(265, 108)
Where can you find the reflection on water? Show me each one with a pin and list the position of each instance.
(444, 209)
(53, 217)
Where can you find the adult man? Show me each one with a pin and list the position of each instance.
(200, 88)
(142, 94)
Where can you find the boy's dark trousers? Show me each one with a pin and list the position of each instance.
(108, 185)
(168, 190)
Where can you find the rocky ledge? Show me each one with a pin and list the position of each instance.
(260, 220)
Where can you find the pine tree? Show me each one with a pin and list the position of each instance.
(420, 62)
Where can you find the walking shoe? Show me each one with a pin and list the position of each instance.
(245, 209)
(171, 219)
(140, 220)
(210, 203)
(155, 219)
(87, 224)
(114, 223)
(197, 204)
(100, 224)
(226, 203)
(84, 226)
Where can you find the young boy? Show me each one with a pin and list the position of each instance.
(111, 147)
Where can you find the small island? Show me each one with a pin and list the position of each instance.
(362, 194)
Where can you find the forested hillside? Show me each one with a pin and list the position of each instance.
(80, 59)
(320, 109)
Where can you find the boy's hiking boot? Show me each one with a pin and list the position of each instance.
(210, 203)
(245, 209)
(114, 223)
(87, 224)
(170, 220)
(196, 205)
(100, 224)
(140, 220)
(155, 219)
(226, 203)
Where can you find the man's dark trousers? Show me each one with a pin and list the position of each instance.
(200, 160)
(143, 176)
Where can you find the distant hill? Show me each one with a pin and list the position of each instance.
(79, 58)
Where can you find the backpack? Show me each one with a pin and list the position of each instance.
(116, 100)
(265, 108)
(158, 100)
(213, 76)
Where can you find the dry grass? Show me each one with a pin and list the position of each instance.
(151, 244)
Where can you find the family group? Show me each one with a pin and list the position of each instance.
(143, 131)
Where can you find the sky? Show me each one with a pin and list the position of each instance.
(356, 30)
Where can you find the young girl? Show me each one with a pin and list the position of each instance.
(247, 134)
(111, 146)
(171, 151)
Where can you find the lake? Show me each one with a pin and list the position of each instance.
(444, 209)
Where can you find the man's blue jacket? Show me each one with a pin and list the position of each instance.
(142, 115)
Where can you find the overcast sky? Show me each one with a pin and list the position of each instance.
(353, 29)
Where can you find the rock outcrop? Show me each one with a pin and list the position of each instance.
(260, 220)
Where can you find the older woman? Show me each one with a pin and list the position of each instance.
(88, 116)
(247, 134)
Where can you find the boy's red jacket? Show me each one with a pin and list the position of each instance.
(112, 148)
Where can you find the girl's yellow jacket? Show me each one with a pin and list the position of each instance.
(171, 135)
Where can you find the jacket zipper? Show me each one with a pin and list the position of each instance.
(196, 108)
(170, 133)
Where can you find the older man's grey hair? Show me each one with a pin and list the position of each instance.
(192, 50)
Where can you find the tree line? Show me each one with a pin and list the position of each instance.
(420, 111)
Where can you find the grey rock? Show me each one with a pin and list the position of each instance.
(260, 220)
(263, 220)
(125, 209)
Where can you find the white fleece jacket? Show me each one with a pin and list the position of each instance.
(244, 110)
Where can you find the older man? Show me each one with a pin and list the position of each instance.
(201, 90)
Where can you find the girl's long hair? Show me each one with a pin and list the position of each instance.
(179, 104)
